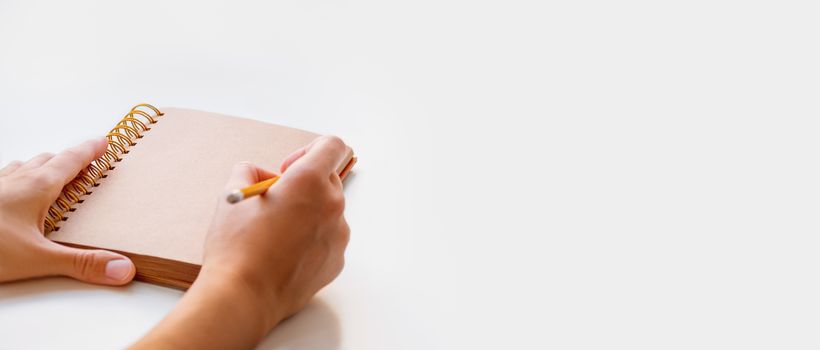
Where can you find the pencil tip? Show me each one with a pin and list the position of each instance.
(235, 197)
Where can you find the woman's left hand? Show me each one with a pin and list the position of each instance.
(27, 190)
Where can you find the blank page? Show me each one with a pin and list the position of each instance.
(158, 201)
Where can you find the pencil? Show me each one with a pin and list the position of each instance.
(256, 189)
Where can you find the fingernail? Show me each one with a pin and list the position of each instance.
(117, 269)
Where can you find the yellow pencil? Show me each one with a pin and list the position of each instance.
(258, 188)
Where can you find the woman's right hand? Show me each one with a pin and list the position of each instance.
(290, 242)
(265, 257)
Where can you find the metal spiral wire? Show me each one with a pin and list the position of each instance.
(123, 136)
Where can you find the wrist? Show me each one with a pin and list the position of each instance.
(243, 291)
(222, 312)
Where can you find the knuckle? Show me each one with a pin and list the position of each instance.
(13, 164)
(10, 167)
(333, 141)
(336, 204)
(84, 264)
(243, 165)
(72, 154)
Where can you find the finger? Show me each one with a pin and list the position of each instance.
(67, 164)
(292, 158)
(92, 266)
(296, 155)
(10, 167)
(244, 174)
(325, 155)
(37, 161)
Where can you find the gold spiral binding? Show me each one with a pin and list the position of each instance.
(123, 136)
(111, 156)
(130, 131)
(63, 204)
(152, 108)
(72, 198)
(134, 123)
(98, 165)
(94, 171)
(136, 112)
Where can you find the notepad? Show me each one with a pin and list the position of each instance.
(152, 195)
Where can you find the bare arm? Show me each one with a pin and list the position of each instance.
(265, 257)
(27, 190)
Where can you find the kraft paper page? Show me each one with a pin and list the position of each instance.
(159, 199)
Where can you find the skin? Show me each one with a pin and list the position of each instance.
(264, 258)
(27, 190)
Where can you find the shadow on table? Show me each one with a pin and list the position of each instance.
(315, 327)
(53, 285)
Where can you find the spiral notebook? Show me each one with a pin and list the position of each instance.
(151, 195)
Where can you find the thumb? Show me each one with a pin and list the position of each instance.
(93, 266)
(244, 174)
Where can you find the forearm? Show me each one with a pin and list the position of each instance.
(264, 258)
(213, 314)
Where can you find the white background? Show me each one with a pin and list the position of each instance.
(551, 175)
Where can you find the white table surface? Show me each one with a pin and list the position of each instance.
(561, 175)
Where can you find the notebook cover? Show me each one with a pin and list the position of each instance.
(156, 205)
